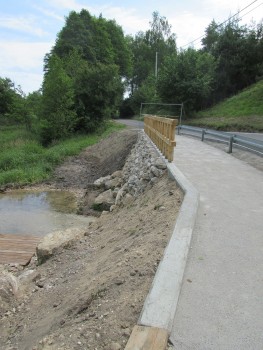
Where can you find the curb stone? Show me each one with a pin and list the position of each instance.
(161, 302)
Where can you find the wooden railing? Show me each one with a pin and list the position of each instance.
(162, 132)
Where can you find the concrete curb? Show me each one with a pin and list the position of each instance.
(161, 302)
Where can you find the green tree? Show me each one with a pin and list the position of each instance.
(187, 77)
(58, 116)
(97, 40)
(238, 53)
(94, 54)
(157, 40)
(7, 95)
(145, 93)
(13, 104)
(98, 92)
(20, 112)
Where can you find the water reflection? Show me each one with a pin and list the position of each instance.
(38, 213)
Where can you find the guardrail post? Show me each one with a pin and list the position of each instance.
(203, 135)
(230, 146)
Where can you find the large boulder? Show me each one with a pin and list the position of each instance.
(8, 288)
(55, 240)
(99, 183)
(104, 200)
(113, 183)
(160, 164)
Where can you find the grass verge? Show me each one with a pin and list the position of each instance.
(24, 160)
(243, 112)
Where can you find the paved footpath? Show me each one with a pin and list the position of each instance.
(221, 301)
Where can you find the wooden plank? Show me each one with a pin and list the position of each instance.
(147, 338)
(161, 131)
(17, 249)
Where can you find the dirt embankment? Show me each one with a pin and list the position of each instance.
(89, 295)
(96, 161)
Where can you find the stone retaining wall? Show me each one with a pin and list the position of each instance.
(142, 169)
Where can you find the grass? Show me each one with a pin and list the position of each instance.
(24, 160)
(243, 112)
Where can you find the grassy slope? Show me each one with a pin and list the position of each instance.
(23, 160)
(243, 112)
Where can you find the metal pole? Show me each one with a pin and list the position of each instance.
(141, 110)
(230, 147)
(178, 129)
(180, 122)
(203, 135)
(156, 64)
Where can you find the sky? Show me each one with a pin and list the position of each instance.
(28, 28)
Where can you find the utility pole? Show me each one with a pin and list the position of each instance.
(156, 65)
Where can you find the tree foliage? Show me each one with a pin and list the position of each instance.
(93, 57)
(92, 64)
(187, 77)
(230, 60)
(58, 115)
(7, 95)
(238, 53)
(96, 39)
(157, 40)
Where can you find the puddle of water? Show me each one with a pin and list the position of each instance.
(38, 213)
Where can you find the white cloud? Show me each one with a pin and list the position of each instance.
(127, 18)
(28, 81)
(23, 24)
(67, 4)
(22, 62)
(223, 9)
(226, 5)
(49, 13)
(180, 25)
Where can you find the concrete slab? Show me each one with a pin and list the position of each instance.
(160, 304)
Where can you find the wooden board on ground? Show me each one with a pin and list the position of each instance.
(147, 338)
(17, 249)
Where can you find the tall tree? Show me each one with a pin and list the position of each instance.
(149, 48)
(7, 95)
(238, 53)
(158, 39)
(58, 115)
(187, 77)
(94, 54)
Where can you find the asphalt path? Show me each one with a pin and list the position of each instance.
(132, 123)
(139, 125)
(257, 136)
(251, 158)
(221, 301)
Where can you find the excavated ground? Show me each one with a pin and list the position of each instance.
(90, 295)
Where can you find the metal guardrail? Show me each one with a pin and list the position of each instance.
(228, 138)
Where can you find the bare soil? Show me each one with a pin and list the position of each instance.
(90, 295)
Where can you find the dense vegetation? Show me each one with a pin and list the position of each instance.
(84, 77)
(243, 112)
(24, 160)
(92, 66)
(231, 59)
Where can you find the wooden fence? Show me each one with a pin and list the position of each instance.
(162, 132)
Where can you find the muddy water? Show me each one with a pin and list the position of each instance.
(38, 213)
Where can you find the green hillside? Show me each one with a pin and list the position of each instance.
(243, 112)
